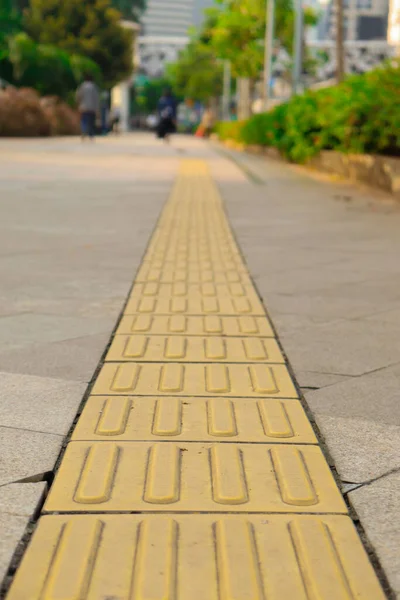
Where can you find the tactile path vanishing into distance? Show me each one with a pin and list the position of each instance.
(193, 472)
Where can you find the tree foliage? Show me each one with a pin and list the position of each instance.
(197, 74)
(89, 28)
(45, 68)
(236, 31)
(149, 93)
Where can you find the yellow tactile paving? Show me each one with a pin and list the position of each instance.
(130, 418)
(195, 305)
(198, 557)
(194, 477)
(195, 325)
(170, 274)
(216, 266)
(178, 348)
(187, 290)
(188, 379)
(197, 428)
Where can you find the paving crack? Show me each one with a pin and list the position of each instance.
(348, 486)
(45, 476)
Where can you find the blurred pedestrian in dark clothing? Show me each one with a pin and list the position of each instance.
(88, 100)
(167, 115)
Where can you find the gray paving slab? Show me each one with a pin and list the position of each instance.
(26, 454)
(17, 503)
(19, 331)
(378, 506)
(72, 360)
(38, 404)
(373, 397)
(330, 304)
(345, 347)
(21, 499)
(361, 449)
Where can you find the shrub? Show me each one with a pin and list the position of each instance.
(24, 114)
(361, 115)
(229, 130)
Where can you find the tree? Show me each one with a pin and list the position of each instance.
(238, 33)
(238, 30)
(131, 10)
(90, 28)
(197, 74)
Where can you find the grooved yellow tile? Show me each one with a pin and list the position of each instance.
(199, 477)
(195, 305)
(179, 379)
(196, 557)
(203, 264)
(127, 418)
(195, 254)
(195, 325)
(176, 348)
(170, 274)
(193, 290)
(203, 298)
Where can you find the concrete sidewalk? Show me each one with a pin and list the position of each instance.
(75, 221)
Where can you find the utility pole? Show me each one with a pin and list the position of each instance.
(269, 50)
(339, 41)
(226, 99)
(298, 46)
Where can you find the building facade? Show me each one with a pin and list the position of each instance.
(164, 33)
(364, 20)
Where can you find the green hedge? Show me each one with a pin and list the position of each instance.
(361, 115)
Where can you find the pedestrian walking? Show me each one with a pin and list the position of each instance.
(88, 101)
(167, 116)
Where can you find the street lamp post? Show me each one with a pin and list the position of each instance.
(269, 49)
(298, 46)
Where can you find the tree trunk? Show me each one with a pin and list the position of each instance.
(339, 41)
(244, 100)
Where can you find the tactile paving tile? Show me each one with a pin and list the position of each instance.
(196, 557)
(204, 264)
(195, 305)
(188, 290)
(195, 253)
(186, 419)
(170, 274)
(195, 325)
(176, 348)
(198, 477)
(189, 379)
